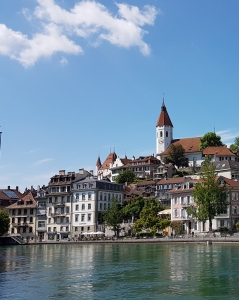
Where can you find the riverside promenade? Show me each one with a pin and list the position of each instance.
(207, 239)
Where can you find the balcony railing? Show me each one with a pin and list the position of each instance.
(58, 204)
(58, 214)
(20, 224)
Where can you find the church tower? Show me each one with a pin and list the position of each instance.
(164, 130)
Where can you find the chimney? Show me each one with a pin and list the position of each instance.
(8, 187)
(17, 188)
(81, 171)
(62, 172)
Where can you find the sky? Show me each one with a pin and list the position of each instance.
(79, 79)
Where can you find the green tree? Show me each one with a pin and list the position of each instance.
(149, 219)
(210, 139)
(235, 145)
(4, 222)
(114, 216)
(176, 156)
(133, 209)
(210, 195)
(125, 176)
(177, 227)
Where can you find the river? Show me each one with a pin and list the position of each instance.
(119, 271)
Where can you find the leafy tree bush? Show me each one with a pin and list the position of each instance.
(210, 195)
(210, 139)
(114, 216)
(125, 176)
(177, 227)
(176, 156)
(4, 222)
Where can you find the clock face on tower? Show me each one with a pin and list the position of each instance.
(161, 141)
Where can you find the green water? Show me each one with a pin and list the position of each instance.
(119, 271)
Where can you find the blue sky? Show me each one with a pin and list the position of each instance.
(81, 78)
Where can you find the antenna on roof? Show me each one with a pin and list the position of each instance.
(114, 148)
(163, 100)
(214, 129)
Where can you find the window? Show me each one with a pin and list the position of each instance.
(13, 220)
(77, 196)
(76, 218)
(234, 210)
(101, 206)
(101, 197)
(49, 229)
(89, 217)
(83, 196)
(188, 199)
(54, 229)
(175, 213)
(82, 228)
(104, 206)
(104, 197)
(181, 200)
(77, 207)
(175, 200)
(83, 207)
(31, 219)
(49, 220)
(166, 133)
(67, 219)
(24, 229)
(13, 212)
(82, 218)
(31, 211)
(108, 197)
(89, 205)
(12, 230)
(50, 200)
(88, 228)
(30, 229)
(76, 228)
(67, 209)
(25, 211)
(234, 196)
(161, 133)
(19, 212)
(68, 199)
(89, 196)
(41, 224)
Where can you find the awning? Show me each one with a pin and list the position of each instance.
(165, 212)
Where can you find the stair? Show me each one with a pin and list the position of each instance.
(18, 239)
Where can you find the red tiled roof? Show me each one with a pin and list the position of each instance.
(110, 159)
(189, 145)
(218, 151)
(164, 118)
(172, 180)
(23, 202)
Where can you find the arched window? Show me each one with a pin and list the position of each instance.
(166, 133)
(161, 133)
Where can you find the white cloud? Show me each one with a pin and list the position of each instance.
(42, 161)
(64, 61)
(87, 18)
(228, 135)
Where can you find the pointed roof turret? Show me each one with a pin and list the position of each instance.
(98, 163)
(164, 118)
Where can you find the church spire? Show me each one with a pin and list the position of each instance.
(164, 118)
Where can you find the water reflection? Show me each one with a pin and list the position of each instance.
(118, 271)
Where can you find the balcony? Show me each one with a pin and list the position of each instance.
(187, 204)
(21, 224)
(58, 204)
(58, 214)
